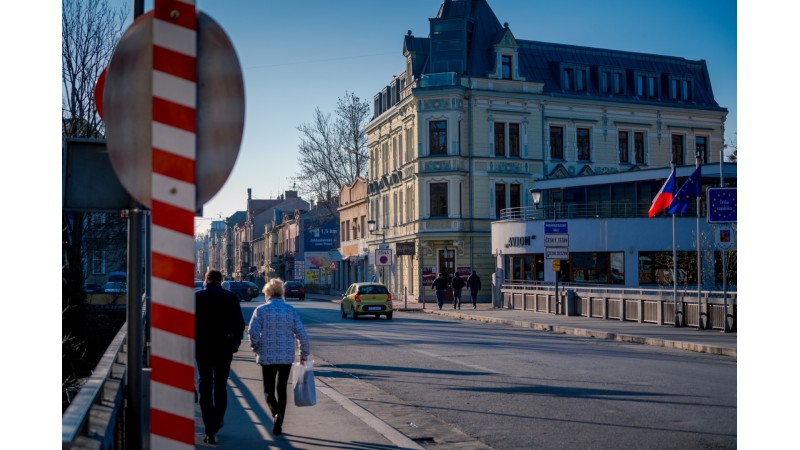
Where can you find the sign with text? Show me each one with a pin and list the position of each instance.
(383, 257)
(556, 253)
(556, 240)
(405, 248)
(555, 228)
(722, 205)
(320, 236)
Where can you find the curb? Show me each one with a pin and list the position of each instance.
(666, 343)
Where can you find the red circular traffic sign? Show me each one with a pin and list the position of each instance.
(128, 111)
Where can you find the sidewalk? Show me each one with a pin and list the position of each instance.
(334, 422)
(683, 338)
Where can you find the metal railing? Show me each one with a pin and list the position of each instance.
(584, 211)
(95, 418)
(643, 305)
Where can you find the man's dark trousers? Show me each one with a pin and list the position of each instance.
(474, 294)
(456, 298)
(440, 298)
(214, 370)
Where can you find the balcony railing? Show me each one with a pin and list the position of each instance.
(586, 211)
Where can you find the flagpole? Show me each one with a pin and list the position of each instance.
(674, 274)
(700, 326)
(674, 268)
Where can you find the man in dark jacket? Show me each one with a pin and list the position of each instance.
(457, 284)
(439, 285)
(474, 285)
(219, 327)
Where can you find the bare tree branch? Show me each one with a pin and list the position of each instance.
(90, 31)
(333, 152)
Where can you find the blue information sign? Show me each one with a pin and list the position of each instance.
(722, 205)
(555, 228)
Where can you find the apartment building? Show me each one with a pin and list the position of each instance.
(479, 115)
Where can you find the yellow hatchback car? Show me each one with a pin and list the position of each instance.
(365, 299)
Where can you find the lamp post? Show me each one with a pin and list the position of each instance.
(372, 227)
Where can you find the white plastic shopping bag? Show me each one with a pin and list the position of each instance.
(304, 389)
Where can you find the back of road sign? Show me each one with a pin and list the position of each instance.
(128, 112)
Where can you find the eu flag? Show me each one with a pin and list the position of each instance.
(689, 191)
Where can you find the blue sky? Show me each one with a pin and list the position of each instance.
(299, 55)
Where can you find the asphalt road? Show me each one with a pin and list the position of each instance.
(512, 388)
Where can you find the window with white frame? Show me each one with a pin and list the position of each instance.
(612, 81)
(438, 199)
(584, 143)
(506, 62)
(622, 146)
(556, 142)
(701, 147)
(677, 149)
(506, 139)
(680, 88)
(98, 262)
(646, 85)
(574, 78)
(438, 137)
(638, 146)
(506, 195)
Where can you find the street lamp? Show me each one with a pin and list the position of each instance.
(372, 227)
(536, 197)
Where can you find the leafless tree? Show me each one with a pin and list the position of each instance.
(89, 32)
(333, 150)
(731, 144)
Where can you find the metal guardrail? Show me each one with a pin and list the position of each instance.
(643, 305)
(95, 418)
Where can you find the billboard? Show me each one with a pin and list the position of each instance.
(320, 236)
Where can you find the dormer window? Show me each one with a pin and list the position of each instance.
(574, 78)
(507, 64)
(680, 88)
(612, 81)
(646, 85)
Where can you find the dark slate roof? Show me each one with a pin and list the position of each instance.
(237, 217)
(540, 61)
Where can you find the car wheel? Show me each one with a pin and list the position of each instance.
(355, 315)
(388, 316)
(344, 314)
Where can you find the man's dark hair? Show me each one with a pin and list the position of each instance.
(214, 276)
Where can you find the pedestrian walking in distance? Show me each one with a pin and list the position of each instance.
(457, 284)
(219, 327)
(474, 285)
(274, 329)
(439, 285)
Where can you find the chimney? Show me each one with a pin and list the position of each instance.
(291, 194)
(249, 194)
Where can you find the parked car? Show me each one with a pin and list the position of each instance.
(366, 298)
(245, 290)
(294, 289)
(198, 285)
(115, 287)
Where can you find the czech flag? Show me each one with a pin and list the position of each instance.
(690, 190)
(664, 196)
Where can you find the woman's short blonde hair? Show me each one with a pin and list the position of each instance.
(273, 288)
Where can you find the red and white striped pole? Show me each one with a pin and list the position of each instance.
(172, 421)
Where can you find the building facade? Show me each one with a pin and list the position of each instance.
(353, 234)
(478, 116)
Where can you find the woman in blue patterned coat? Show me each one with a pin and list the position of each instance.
(274, 329)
